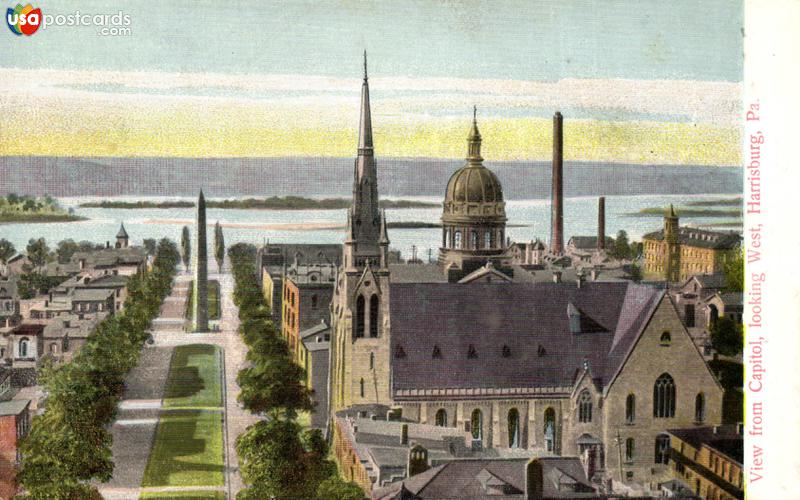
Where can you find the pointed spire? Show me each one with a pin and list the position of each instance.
(671, 212)
(122, 233)
(365, 125)
(384, 240)
(474, 139)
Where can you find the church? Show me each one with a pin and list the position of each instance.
(577, 368)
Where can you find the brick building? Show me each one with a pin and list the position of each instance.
(709, 460)
(14, 425)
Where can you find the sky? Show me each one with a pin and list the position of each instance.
(637, 81)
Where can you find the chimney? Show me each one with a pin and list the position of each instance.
(556, 276)
(404, 434)
(556, 199)
(601, 223)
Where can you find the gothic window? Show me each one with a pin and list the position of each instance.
(314, 301)
(399, 353)
(630, 408)
(550, 429)
(23, 348)
(513, 428)
(441, 418)
(700, 407)
(666, 338)
(585, 407)
(487, 239)
(373, 316)
(437, 353)
(506, 351)
(360, 316)
(474, 240)
(372, 361)
(472, 353)
(361, 386)
(662, 449)
(541, 351)
(457, 240)
(629, 449)
(476, 423)
(664, 397)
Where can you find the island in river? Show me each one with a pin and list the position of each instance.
(15, 208)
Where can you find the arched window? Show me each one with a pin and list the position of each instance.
(361, 386)
(441, 418)
(487, 239)
(53, 348)
(373, 316)
(457, 239)
(476, 423)
(664, 397)
(629, 449)
(662, 449)
(23, 347)
(372, 361)
(585, 406)
(550, 429)
(513, 428)
(314, 301)
(445, 234)
(437, 353)
(473, 240)
(700, 407)
(360, 316)
(630, 408)
(666, 338)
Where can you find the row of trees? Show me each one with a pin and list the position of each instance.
(219, 246)
(279, 459)
(69, 445)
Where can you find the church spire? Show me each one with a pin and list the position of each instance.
(365, 126)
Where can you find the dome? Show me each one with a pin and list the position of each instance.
(474, 184)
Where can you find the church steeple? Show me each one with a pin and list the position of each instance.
(474, 139)
(364, 232)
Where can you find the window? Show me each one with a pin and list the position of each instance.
(399, 353)
(664, 397)
(361, 385)
(372, 361)
(360, 316)
(23, 348)
(550, 429)
(662, 449)
(700, 407)
(666, 338)
(513, 428)
(457, 240)
(629, 449)
(474, 239)
(445, 238)
(53, 348)
(314, 301)
(585, 406)
(441, 418)
(373, 316)
(472, 353)
(437, 354)
(630, 408)
(476, 423)
(506, 351)
(487, 239)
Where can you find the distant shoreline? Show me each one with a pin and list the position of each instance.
(306, 226)
(34, 218)
(272, 203)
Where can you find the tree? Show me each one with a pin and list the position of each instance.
(65, 250)
(726, 336)
(150, 245)
(219, 246)
(37, 252)
(622, 249)
(335, 488)
(635, 272)
(186, 247)
(734, 273)
(7, 250)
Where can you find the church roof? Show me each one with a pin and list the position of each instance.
(122, 233)
(517, 335)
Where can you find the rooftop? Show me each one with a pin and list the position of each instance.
(725, 439)
(13, 407)
(701, 238)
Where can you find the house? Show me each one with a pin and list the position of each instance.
(14, 425)
(313, 357)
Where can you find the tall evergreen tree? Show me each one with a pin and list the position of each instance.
(219, 246)
(186, 247)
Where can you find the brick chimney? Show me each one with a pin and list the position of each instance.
(557, 196)
(404, 434)
(601, 223)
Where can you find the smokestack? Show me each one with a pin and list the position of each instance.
(601, 223)
(557, 197)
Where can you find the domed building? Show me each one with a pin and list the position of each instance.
(474, 214)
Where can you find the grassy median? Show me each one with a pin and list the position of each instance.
(194, 377)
